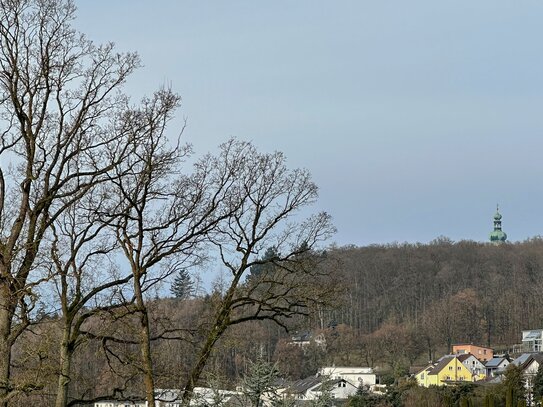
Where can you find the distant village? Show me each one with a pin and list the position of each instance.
(468, 363)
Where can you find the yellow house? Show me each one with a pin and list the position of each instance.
(422, 376)
(449, 370)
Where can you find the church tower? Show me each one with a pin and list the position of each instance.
(498, 236)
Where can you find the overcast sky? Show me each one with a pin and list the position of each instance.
(415, 117)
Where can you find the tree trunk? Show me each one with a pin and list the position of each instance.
(145, 345)
(6, 316)
(196, 372)
(221, 323)
(66, 352)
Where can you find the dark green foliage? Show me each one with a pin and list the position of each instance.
(521, 403)
(464, 402)
(513, 383)
(259, 379)
(182, 286)
(455, 394)
(398, 391)
(491, 400)
(364, 398)
(508, 397)
(488, 400)
(538, 383)
(265, 264)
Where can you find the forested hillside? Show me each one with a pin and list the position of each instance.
(463, 291)
(402, 304)
(394, 307)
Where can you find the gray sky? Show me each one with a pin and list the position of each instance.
(415, 117)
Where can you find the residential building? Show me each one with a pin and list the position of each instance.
(496, 365)
(311, 388)
(448, 370)
(302, 389)
(474, 365)
(532, 340)
(303, 339)
(357, 376)
(172, 398)
(422, 375)
(480, 352)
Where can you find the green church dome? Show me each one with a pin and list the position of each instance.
(498, 235)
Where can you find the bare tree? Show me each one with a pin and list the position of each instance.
(59, 100)
(270, 199)
(84, 276)
(163, 216)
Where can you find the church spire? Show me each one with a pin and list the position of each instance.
(498, 235)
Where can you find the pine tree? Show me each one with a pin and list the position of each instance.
(514, 385)
(491, 400)
(538, 383)
(182, 286)
(265, 264)
(509, 397)
(325, 398)
(259, 380)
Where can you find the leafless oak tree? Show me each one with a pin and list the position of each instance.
(79, 162)
(269, 198)
(85, 278)
(59, 98)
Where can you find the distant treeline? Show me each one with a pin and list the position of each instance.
(398, 306)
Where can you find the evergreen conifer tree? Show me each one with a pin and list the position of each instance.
(258, 380)
(182, 286)
(538, 384)
(514, 385)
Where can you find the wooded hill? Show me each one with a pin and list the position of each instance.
(404, 304)
(396, 306)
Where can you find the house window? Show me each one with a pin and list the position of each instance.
(484, 351)
(450, 368)
(458, 368)
(461, 378)
(422, 376)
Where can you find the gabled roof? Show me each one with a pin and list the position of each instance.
(464, 356)
(495, 362)
(301, 386)
(444, 361)
(302, 336)
(332, 383)
(522, 358)
(415, 370)
(535, 356)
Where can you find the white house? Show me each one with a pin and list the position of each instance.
(532, 340)
(357, 376)
(474, 365)
(496, 365)
(115, 403)
(339, 389)
(311, 388)
(172, 398)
